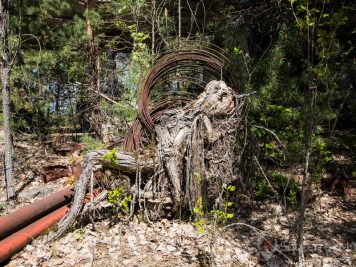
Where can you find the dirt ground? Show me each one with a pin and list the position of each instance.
(330, 230)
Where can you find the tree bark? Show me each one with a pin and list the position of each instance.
(93, 69)
(310, 129)
(153, 28)
(93, 161)
(179, 20)
(197, 144)
(5, 79)
(194, 157)
(93, 55)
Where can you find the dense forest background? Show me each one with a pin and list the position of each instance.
(279, 48)
(75, 67)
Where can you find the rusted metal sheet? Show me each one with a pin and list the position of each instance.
(29, 213)
(54, 172)
(15, 242)
(65, 148)
(76, 170)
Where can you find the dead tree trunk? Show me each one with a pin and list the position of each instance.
(93, 162)
(194, 159)
(197, 144)
(5, 79)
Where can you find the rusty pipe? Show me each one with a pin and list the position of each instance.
(29, 213)
(15, 242)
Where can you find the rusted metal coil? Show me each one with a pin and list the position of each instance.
(175, 66)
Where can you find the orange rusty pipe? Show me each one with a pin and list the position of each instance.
(29, 213)
(15, 242)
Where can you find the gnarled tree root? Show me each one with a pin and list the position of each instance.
(196, 155)
(93, 162)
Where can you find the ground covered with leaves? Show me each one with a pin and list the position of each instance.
(260, 234)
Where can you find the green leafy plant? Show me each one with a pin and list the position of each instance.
(200, 221)
(219, 214)
(120, 200)
(78, 234)
(222, 215)
(110, 158)
(286, 187)
(260, 186)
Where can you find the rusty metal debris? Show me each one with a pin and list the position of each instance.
(27, 214)
(23, 225)
(54, 172)
(65, 148)
(15, 242)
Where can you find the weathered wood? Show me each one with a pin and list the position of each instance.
(129, 165)
(90, 165)
(93, 162)
(195, 148)
(182, 133)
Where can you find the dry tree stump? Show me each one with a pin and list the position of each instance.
(195, 155)
(197, 144)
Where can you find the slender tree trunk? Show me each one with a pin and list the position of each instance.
(5, 79)
(179, 20)
(153, 28)
(303, 206)
(94, 70)
(93, 55)
(310, 128)
(179, 34)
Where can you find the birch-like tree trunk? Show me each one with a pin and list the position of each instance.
(179, 20)
(5, 79)
(153, 28)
